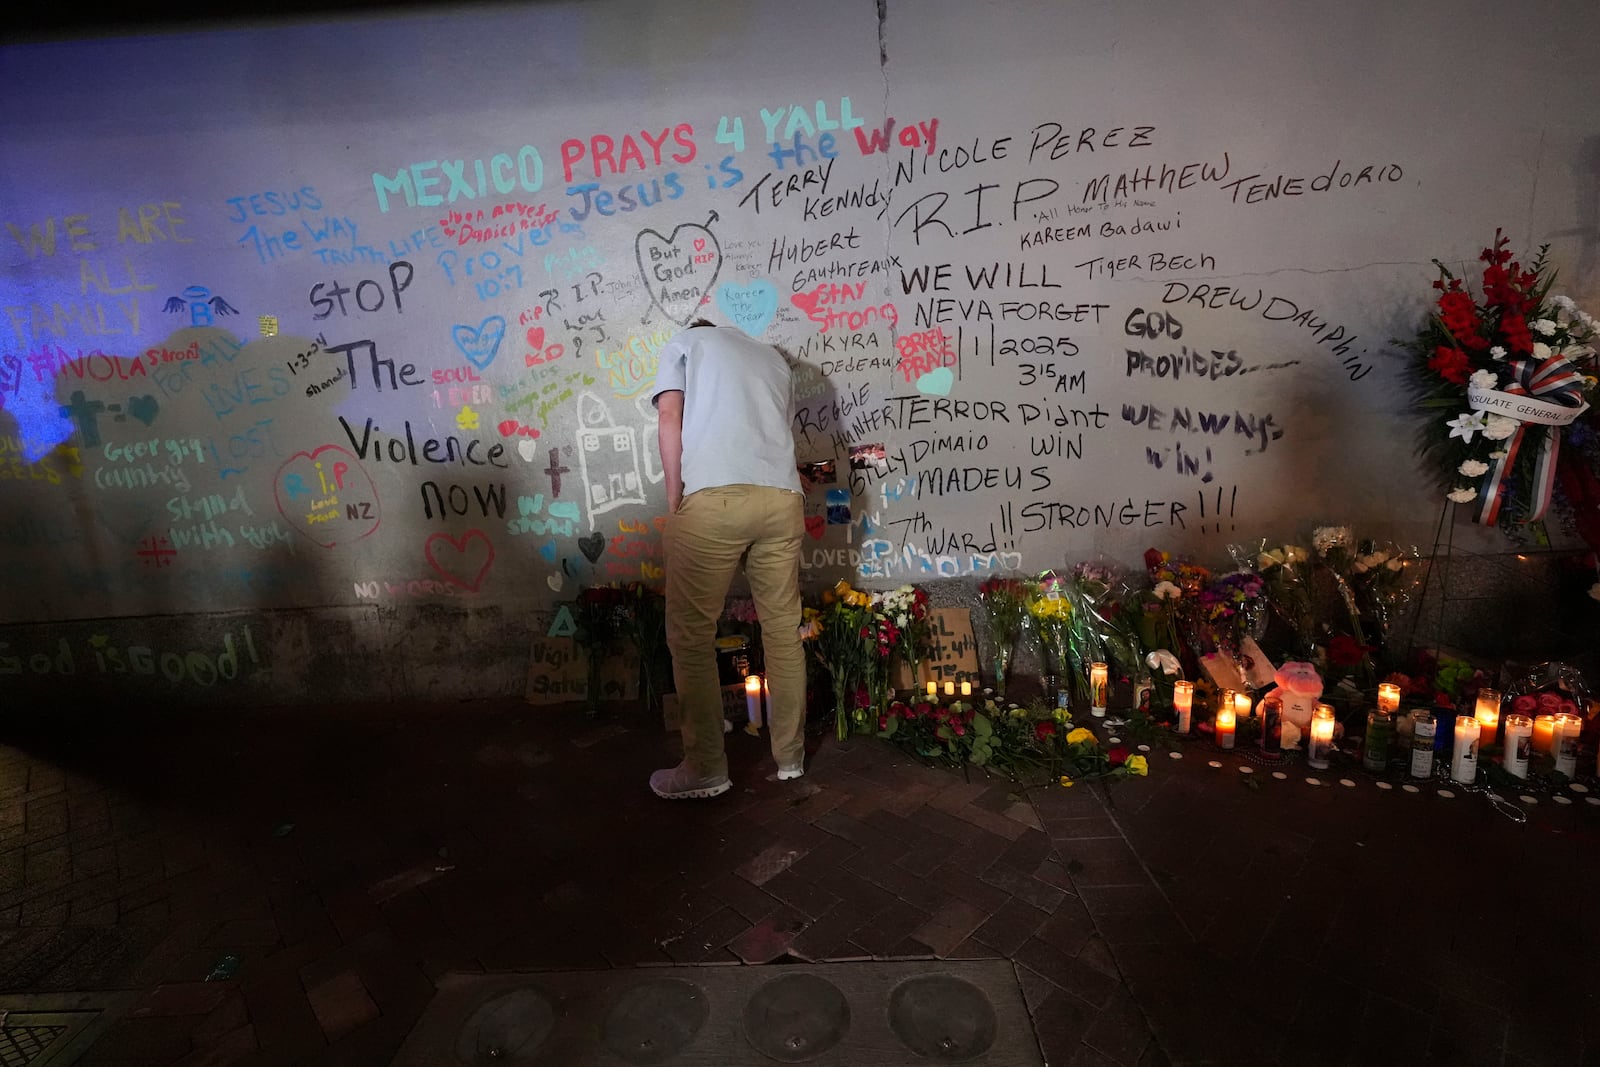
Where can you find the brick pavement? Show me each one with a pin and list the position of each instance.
(345, 858)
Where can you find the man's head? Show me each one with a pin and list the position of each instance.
(701, 322)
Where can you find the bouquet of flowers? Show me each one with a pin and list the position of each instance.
(1335, 545)
(1176, 583)
(1230, 610)
(1501, 380)
(1286, 577)
(1005, 603)
(1051, 611)
(645, 621)
(835, 634)
(600, 618)
(1384, 578)
(907, 608)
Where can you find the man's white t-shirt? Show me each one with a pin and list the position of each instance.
(738, 408)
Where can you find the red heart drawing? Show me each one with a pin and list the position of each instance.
(816, 526)
(536, 338)
(327, 495)
(509, 427)
(699, 244)
(458, 559)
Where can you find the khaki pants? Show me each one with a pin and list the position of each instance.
(712, 530)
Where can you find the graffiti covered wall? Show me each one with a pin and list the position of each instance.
(324, 347)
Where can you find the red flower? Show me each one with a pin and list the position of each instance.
(1117, 756)
(1549, 703)
(1450, 364)
(1568, 707)
(883, 722)
(920, 710)
(1044, 729)
(1346, 651)
(1526, 704)
(959, 730)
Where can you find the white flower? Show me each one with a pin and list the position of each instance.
(1483, 379)
(1497, 352)
(1473, 468)
(1461, 496)
(1164, 660)
(1167, 591)
(1544, 326)
(1564, 302)
(1499, 427)
(1467, 424)
(1324, 538)
(1541, 351)
(1498, 453)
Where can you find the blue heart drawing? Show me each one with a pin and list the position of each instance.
(750, 307)
(548, 551)
(937, 382)
(481, 344)
(143, 408)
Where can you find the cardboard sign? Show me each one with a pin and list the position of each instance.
(558, 671)
(954, 654)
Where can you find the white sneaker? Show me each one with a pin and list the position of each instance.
(787, 773)
(683, 783)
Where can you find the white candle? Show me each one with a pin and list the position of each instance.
(752, 698)
(1464, 760)
(1388, 697)
(1320, 745)
(1241, 705)
(1225, 726)
(966, 689)
(1183, 703)
(949, 689)
(1099, 679)
(933, 688)
(1519, 744)
(1564, 743)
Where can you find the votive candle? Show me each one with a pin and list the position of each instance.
(1099, 683)
(1564, 742)
(1183, 703)
(1542, 727)
(1320, 745)
(1464, 758)
(1488, 715)
(1519, 744)
(752, 697)
(966, 689)
(1242, 705)
(1388, 697)
(933, 688)
(949, 689)
(1225, 726)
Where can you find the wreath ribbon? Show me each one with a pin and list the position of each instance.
(1547, 393)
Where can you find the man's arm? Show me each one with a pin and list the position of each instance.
(669, 430)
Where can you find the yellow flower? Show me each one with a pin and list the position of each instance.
(1081, 736)
(1061, 715)
(1138, 765)
(1067, 782)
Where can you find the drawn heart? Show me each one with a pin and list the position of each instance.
(937, 382)
(481, 344)
(527, 448)
(327, 495)
(143, 408)
(548, 551)
(816, 526)
(750, 307)
(680, 277)
(592, 546)
(555, 581)
(454, 557)
(535, 337)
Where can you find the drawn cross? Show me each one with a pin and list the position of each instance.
(555, 471)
